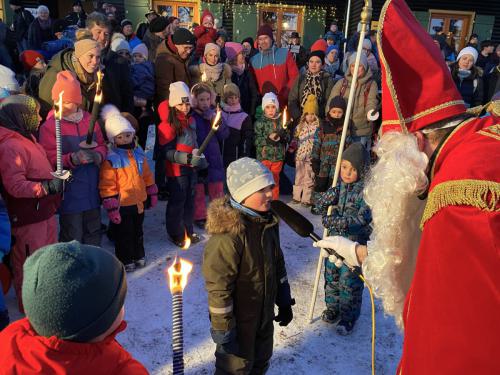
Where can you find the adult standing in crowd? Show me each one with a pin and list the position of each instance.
(78, 16)
(467, 77)
(5, 58)
(130, 36)
(338, 36)
(298, 51)
(473, 42)
(144, 26)
(314, 81)
(40, 30)
(484, 58)
(249, 50)
(31, 193)
(274, 68)
(173, 25)
(155, 35)
(20, 24)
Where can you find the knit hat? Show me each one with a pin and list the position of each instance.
(246, 176)
(115, 123)
(183, 36)
(468, 51)
(317, 53)
(311, 105)
(179, 93)
(363, 60)
(367, 44)
(211, 46)
(130, 118)
(232, 50)
(329, 35)
(29, 58)
(231, 89)
(84, 45)
(8, 79)
(331, 48)
(118, 36)
(270, 98)
(357, 155)
(265, 30)
(141, 49)
(120, 45)
(206, 13)
(67, 82)
(42, 9)
(158, 25)
(73, 291)
(125, 22)
(319, 45)
(248, 40)
(337, 102)
(221, 34)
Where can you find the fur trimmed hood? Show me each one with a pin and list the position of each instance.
(222, 218)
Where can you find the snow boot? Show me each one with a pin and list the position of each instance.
(130, 267)
(330, 316)
(344, 328)
(140, 263)
(195, 238)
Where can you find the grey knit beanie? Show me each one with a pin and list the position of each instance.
(357, 155)
(246, 176)
(363, 60)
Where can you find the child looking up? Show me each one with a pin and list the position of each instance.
(271, 139)
(127, 187)
(244, 271)
(350, 218)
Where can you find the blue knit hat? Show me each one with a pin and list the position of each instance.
(246, 176)
(331, 48)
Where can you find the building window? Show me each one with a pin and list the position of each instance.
(283, 20)
(455, 26)
(186, 11)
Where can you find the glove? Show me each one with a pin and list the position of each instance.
(82, 157)
(179, 157)
(343, 246)
(372, 115)
(54, 186)
(315, 165)
(113, 207)
(226, 340)
(198, 161)
(273, 139)
(285, 314)
(321, 184)
(331, 258)
(152, 192)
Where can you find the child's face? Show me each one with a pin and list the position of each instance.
(208, 22)
(310, 117)
(261, 200)
(270, 111)
(361, 70)
(233, 100)
(332, 56)
(138, 58)
(336, 112)
(203, 101)
(183, 108)
(348, 173)
(69, 108)
(40, 64)
(124, 138)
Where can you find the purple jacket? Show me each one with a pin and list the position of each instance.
(213, 153)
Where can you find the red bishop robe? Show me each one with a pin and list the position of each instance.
(452, 309)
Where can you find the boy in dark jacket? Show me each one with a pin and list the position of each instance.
(244, 271)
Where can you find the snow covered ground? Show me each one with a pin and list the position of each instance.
(300, 348)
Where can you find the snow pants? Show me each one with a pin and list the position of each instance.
(343, 291)
(275, 168)
(180, 206)
(84, 227)
(215, 190)
(255, 348)
(29, 238)
(304, 181)
(128, 235)
(232, 147)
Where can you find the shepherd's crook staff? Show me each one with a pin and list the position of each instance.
(366, 16)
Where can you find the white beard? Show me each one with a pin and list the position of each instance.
(391, 191)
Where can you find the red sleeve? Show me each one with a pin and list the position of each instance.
(199, 31)
(166, 133)
(292, 70)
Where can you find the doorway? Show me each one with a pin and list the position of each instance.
(455, 26)
(186, 11)
(283, 20)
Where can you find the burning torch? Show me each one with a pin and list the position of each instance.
(60, 172)
(89, 141)
(213, 130)
(284, 125)
(177, 274)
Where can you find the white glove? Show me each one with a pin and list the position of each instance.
(343, 246)
(331, 258)
(372, 115)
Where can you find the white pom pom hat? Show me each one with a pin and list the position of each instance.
(115, 123)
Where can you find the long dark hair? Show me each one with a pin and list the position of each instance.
(174, 121)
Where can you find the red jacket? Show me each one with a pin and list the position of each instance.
(22, 351)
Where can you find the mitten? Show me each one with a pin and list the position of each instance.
(285, 314)
(81, 157)
(321, 184)
(94, 156)
(152, 192)
(54, 186)
(112, 206)
(198, 161)
(178, 157)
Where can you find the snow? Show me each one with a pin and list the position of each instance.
(299, 348)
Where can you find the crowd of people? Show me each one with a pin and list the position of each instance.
(278, 105)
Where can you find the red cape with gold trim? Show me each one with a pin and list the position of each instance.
(452, 310)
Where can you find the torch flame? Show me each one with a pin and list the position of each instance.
(58, 107)
(187, 241)
(178, 274)
(284, 118)
(216, 122)
(204, 77)
(98, 89)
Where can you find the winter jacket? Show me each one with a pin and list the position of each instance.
(244, 269)
(493, 83)
(169, 140)
(304, 134)
(22, 20)
(333, 69)
(275, 70)
(32, 83)
(152, 41)
(203, 36)
(125, 174)
(212, 152)
(37, 35)
(77, 19)
(325, 149)
(22, 351)
(143, 80)
(50, 48)
(267, 149)
(300, 57)
(133, 41)
(82, 193)
(169, 68)
(142, 28)
(196, 72)
(249, 94)
(338, 37)
(365, 100)
(351, 216)
(471, 88)
(295, 96)
(23, 165)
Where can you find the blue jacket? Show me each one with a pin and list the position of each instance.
(143, 80)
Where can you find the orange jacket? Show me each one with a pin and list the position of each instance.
(126, 174)
(22, 351)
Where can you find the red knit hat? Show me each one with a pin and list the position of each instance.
(417, 88)
(67, 82)
(319, 45)
(206, 13)
(266, 30)
(29, 59)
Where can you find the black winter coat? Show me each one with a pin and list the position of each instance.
(37, 36)
(77, 19)
(22, 21)
(471, 88)
(249, 92)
